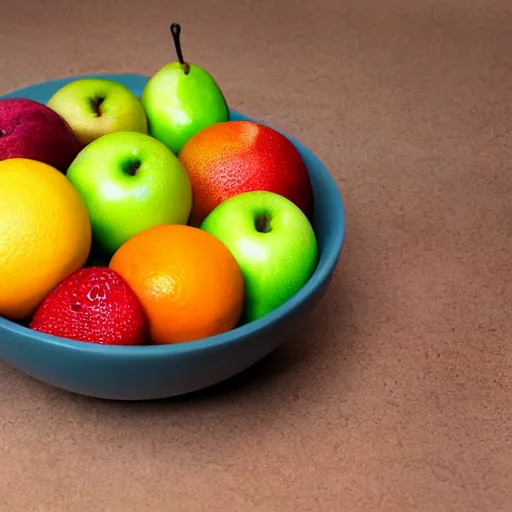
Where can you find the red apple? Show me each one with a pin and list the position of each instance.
(229, 158)
(29, 129)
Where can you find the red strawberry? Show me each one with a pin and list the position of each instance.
(93, 304)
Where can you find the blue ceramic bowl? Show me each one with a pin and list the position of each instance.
(152, 372)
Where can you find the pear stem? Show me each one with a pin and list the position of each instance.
(176, 31)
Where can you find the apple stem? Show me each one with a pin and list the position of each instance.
(176, 31)
(262, 224)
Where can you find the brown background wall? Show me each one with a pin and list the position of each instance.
(398, 397)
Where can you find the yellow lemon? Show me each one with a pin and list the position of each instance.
(45, 234)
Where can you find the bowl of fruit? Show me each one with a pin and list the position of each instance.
(154, 241)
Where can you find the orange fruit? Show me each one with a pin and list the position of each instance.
(187, 281)
(227, 159)
(45, 234)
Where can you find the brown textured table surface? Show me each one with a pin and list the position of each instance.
(398, 396)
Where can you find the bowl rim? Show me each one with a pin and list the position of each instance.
(324, 268)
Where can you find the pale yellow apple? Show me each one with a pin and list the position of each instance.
(94, 107)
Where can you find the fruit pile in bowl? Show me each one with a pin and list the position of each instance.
(154, 241)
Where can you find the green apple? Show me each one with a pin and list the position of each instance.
(129, 182)
(181, 99)
(94, 107)
(273, 243)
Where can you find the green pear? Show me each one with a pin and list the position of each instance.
(181, 99)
